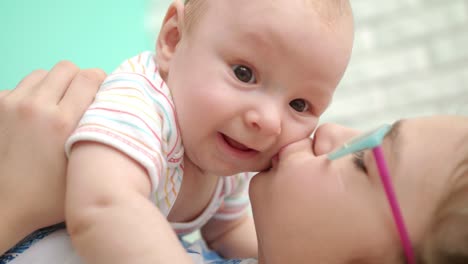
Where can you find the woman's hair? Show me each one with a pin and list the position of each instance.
(447, 240)
(447, 243)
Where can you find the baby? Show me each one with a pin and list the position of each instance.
(343, 197)
(171, 135)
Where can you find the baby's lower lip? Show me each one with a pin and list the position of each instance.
(239, 151)
(234, 144)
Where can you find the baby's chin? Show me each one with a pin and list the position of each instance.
(263, 168)
(229, 169)
(255, 169)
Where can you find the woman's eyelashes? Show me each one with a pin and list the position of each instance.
(244, 74)
(358, 161)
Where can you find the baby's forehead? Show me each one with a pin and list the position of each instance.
(331, 14)
(327, 9)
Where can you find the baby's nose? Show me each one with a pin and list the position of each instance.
(267, 122)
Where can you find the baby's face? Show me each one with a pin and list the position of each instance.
(250, 77)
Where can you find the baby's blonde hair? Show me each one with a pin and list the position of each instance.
(193, 10)
(328, 10)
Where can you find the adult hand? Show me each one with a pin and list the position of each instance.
(36, 118)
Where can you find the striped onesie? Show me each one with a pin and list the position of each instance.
(133, 112)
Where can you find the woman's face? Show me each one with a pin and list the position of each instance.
(308, 209)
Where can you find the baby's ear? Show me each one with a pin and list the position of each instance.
(169, 35)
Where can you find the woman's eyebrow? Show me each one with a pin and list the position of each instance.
(394, 138)
(395, 130)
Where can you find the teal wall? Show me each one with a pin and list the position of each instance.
(91, 33)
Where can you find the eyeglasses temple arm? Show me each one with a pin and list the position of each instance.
(387, 184)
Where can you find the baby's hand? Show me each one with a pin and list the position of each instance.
(35, 120)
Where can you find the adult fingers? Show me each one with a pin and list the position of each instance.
(3, 93)
(56, 83)
(27, 85)
(81, 92)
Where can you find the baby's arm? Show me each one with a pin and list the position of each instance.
(232, 238)
(231, 232)
(109, 216)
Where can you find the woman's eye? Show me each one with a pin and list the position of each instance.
(299, 105)
(358, 160)
(244, 74)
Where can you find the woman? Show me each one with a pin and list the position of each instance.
(307, 209)
(337, 211)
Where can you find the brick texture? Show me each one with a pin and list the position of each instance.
(410, 59)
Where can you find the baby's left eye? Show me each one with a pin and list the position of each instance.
(299, 105)
(244, 74)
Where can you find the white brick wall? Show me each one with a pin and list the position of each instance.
(410, 58)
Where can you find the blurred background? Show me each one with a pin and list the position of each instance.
(38, 34)
(410, 57)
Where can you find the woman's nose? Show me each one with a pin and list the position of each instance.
(266, 121)
(301, 146)
(330, 136)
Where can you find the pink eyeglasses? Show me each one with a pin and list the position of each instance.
(373, 140)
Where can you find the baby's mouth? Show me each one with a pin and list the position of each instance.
(236, 145)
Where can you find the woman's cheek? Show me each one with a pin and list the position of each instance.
(312, 178)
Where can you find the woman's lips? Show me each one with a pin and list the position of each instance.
(275, 161)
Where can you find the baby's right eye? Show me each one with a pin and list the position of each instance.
(244, 74)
